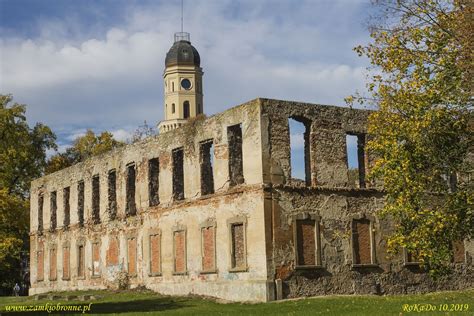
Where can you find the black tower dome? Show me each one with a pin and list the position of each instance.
(182, 52)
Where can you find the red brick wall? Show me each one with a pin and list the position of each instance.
(361, 241)
(238, 246)
(208, 248)
(66, 263)
(95, 259)
(53, 263)
(306, 242)
(112, 255)
(40, 262)
(81, 261)
(155, 254)
(132, 256)
(180, 251)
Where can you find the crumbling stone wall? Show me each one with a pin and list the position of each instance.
(254, 191)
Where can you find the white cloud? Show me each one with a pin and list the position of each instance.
(248, 49)
(122, 135)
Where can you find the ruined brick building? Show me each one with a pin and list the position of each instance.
(209, 206)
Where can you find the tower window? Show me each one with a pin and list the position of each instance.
(172, 87)
(186, 109)
(173, 108)
(186, 84)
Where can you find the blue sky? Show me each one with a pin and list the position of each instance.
(99, 64)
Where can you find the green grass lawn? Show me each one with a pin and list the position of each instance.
(150, 303)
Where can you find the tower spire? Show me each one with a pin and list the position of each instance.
(182, 10)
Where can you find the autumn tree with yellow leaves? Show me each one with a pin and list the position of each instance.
(421, 83)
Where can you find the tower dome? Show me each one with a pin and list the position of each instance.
(182, 52)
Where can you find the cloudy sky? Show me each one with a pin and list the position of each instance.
(99, 64)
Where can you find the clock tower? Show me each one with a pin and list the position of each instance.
(182, 83)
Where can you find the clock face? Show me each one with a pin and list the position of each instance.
(186, 84)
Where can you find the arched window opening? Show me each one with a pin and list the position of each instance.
(173, 108)
(186, 109)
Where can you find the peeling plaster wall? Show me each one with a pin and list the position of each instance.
(242, 201)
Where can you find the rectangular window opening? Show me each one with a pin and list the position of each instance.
(236, 170)
(66, 263)
(153, 181)
(208, 249)
(238, 247)
(307, 243)
(66, 207)
(362, 242)
(355, 152)
(40, 212)
(53, 263)
(131, 208)
(53, 208)
(300, 149)
(206, 157)
(155, 254)
(95, 259)
(179, 242)
(81, 261)
(178, 174)
(96, 199)
(40, 263)
(112, 194)
(132, 256)
(80, 203)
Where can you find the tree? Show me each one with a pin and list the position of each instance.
(83, 147)
(22, 159)
(422, 132)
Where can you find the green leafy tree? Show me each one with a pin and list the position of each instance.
(22, 159)
(421, 136)
(83, 147)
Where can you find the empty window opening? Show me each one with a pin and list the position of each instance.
(132, 256)
(307, 243)
(53, 208)
(112, 194)
(153, 181)
(80, 203)
(186, 109)
(300, 149)
(178, 174)
(237, 246)
(362, 241)
(206, 157)
(95, 259)
(40, 262)
(173, 108)
(66, 207)
(459, 253)
(66, 263)
(172, 89)
(179, 241)
(355, 148)
(81, 269)
(112, 254)
(155, 254)
(208, 248)
(40, 212)
(236, 169)
(130, 208)
(53, 263)
(96, 199)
